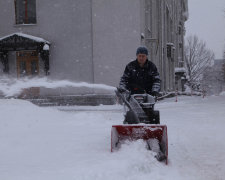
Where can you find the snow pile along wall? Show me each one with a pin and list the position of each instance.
(14, 87)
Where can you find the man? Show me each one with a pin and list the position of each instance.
(141, 75)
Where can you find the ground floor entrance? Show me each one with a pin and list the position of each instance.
(30, 50)
(27, 63)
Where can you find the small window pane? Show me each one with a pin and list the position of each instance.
(23, 69)
(31, 11)
(34, 68)
(20, 11)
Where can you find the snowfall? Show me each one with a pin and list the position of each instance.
(73, 142)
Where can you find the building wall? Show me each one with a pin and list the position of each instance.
(93, 40)
(67, 25)
(162, 21)
(116, 36)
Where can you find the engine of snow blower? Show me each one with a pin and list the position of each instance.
(141, 110)
(141, 122)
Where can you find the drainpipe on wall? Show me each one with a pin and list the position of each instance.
(92, 43)
(162, 6)
(160, 35)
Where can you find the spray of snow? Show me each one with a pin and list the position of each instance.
(135, 162)
(12, 87)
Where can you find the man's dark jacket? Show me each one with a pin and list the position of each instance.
(136, 77)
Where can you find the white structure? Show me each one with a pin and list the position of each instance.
(214, 78)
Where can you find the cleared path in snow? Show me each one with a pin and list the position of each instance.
(196, 136)
(51, 143)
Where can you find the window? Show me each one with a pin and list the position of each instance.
(25, 11)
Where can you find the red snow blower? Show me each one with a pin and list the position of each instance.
(141, 122)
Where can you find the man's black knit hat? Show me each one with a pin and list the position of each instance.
(142, 50)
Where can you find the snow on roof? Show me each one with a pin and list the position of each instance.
(46, 47)
(180, 69)
(170, 44)
(34, 38)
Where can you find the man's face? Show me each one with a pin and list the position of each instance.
(141, 58)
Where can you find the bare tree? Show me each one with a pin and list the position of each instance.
(197, 59)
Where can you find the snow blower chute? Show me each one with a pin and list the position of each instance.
(141, 122)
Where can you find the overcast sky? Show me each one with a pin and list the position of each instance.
(207, 21)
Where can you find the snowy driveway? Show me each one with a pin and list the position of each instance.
(73, 143)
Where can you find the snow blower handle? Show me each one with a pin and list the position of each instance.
(155, 94)
(123, 93)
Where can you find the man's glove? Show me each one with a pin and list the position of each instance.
(155, 93)
(124, 92)
(121, 89)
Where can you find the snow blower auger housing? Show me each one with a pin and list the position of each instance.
(121, 133)
(141, 122)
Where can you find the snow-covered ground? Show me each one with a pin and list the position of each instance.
(73, 143)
